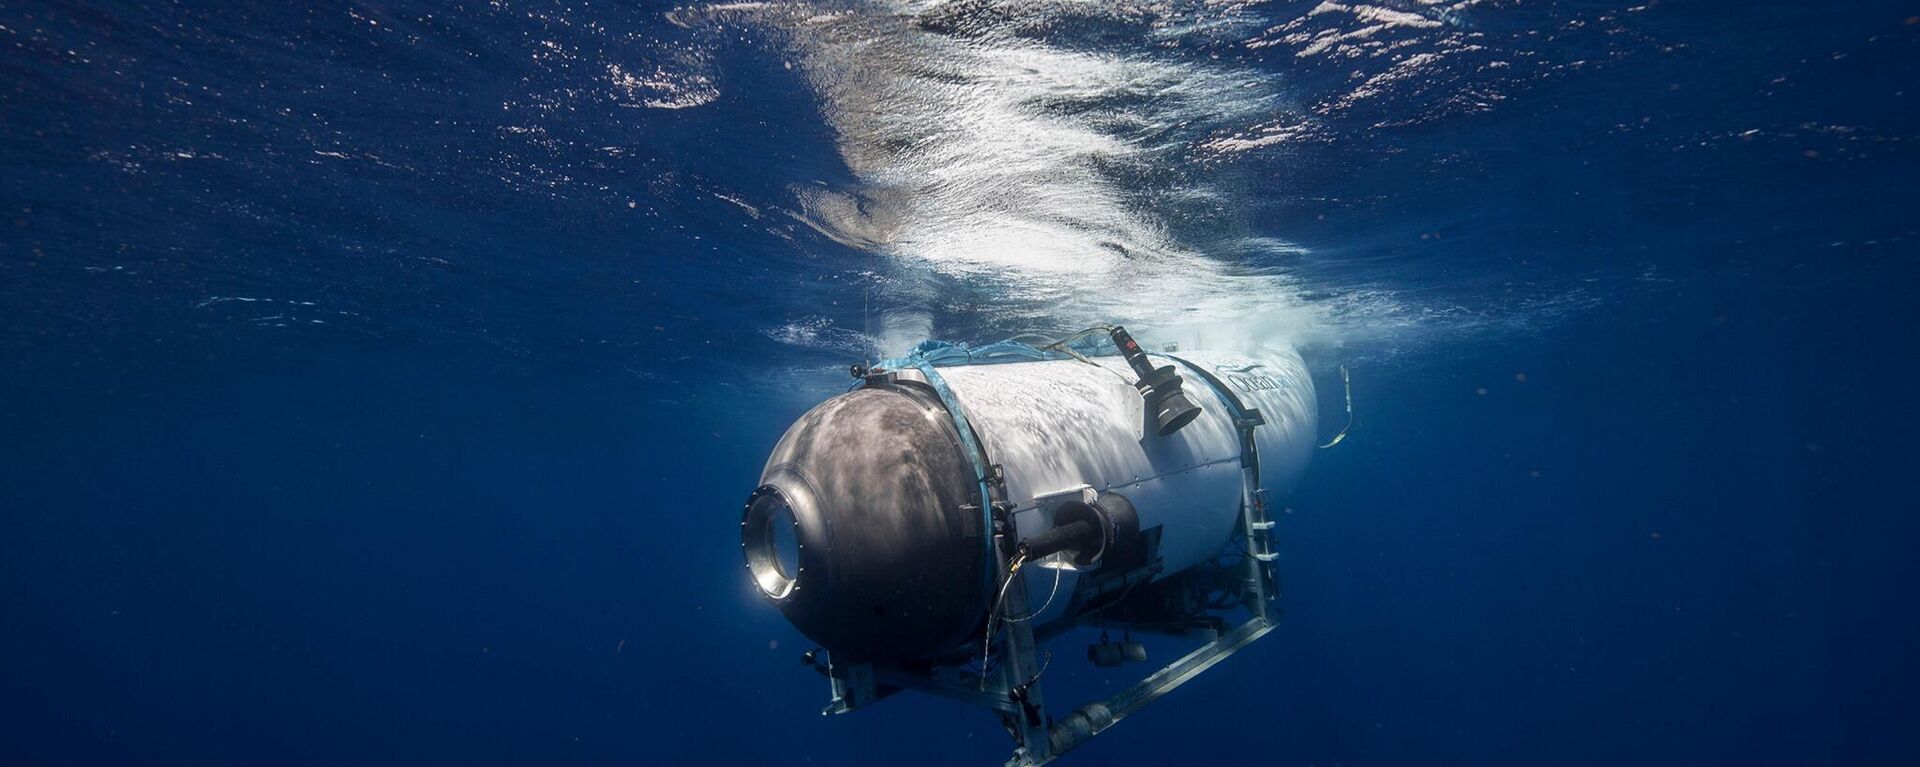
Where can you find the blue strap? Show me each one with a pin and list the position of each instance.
(944, 353)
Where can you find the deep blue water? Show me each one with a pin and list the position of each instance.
(379, 383)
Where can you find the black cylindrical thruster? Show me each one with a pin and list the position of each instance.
(1128, 549)
(1083, 538)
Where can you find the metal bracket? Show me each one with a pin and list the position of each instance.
(853, 686)
(1018, 653)
(1259, 530)
(1094, 718)
(1252, 418)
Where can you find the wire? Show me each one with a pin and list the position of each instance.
(1044, 665)
(1061, 346)
(1043, 607)
(1070, 338)
(1347, 382)
(986, 647)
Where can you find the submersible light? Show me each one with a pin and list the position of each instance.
(898, 524)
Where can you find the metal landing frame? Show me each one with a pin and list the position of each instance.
(1013, 691)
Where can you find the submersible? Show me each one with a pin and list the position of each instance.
(934, 526)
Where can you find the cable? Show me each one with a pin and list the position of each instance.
(1044, 665)
(1347, 382)
(1043, 607)
(986, 647)
(1061, 347)
(1075, 336)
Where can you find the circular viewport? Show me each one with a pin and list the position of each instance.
(771, 538)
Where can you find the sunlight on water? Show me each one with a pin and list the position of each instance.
(1019, 169)
(1043, 166)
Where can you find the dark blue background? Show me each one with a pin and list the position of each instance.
(484, 509)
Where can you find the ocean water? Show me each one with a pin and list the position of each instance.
(380, 382)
